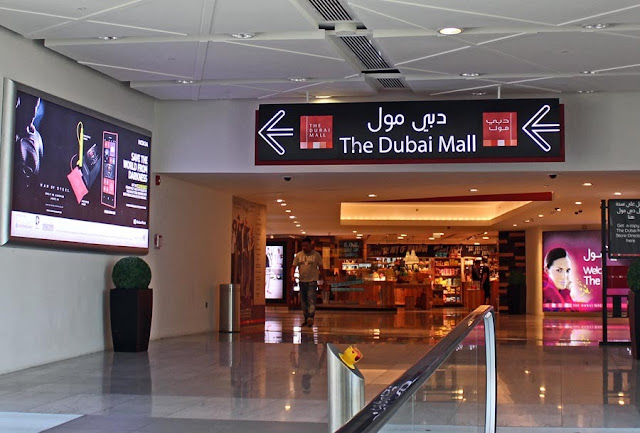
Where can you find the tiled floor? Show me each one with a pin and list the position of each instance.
(552, 376)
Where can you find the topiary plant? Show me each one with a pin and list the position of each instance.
(633, 276)
(131, 273)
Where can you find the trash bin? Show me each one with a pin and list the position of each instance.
(229, 308)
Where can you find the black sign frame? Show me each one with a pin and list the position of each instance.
(410, 132)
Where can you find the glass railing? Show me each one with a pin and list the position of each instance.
(451, 389)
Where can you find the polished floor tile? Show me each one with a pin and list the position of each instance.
(553, 375)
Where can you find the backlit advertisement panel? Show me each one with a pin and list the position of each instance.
(572, 271)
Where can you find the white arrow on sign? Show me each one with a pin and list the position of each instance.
(537, 128)
(267, 132)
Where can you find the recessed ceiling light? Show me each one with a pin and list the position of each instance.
(355, 231)
(438, 234)
(476, 243)
(473, 189)
(432, 239)
(588, 72)
(540, 215)
(297, 225)
(185, 81)
(292, 217)
(578, 202)
(283, 204)
(403, 234)
(470, 74)
(303, 232)
(558, 209)
(108, 38)
(242, 35)
(400, 237)
(617, 193)
(323, 96)
(296, 222)
(515, 225)
(288, 210)
(298, 79)
(597, 26)
(485, 237)
(587, 184)
(279, 200)
(448, 31)
(372, 195)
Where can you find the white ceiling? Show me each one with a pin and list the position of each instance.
(518, 48)
(537, 46)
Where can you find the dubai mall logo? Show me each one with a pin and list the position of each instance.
(500, 129)
(316, 132)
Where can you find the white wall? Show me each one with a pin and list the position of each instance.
(53, 303)
(601, 134)
(195, 259)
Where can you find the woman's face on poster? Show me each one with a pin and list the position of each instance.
(559, 272)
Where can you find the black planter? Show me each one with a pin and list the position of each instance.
(131, 319)
(633, 310)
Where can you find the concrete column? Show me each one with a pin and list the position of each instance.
(533, 238)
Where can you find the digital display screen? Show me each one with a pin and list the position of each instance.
(274, 281)
(79, 179)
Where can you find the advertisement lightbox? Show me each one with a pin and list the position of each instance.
(572, 271)
(72, 177)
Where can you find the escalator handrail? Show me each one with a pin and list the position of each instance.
(378, 412)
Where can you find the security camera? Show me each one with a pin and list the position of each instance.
(287, 178)
(552, 176)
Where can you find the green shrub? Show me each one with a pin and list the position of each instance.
(633, 275)
(131, 273)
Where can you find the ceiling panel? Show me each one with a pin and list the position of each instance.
(431, 86)
(161, 15)
(145, 57)
(573, 52)
(384, 14)
(234, 61)
(465, 13)
(170, 92)
(212, 91)
(507, 41)
(25, 23)
(71, 9)
(259, 16)
(92, 29)
(404, 49)
(127, 74)
(482, 60)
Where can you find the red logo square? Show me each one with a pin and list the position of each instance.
(316, 132)
(500, 129)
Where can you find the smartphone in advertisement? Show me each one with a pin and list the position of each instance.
(109, 168)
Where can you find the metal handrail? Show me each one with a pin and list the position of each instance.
(380, 410)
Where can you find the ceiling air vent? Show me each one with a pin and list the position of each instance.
(391, 83)
(331, 10)
(364, 50)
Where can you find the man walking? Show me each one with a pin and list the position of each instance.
(309, 263)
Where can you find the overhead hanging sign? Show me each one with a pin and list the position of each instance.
(515, 130)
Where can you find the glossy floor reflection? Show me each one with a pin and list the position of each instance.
(552, 376)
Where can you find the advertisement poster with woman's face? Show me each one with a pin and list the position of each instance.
(572, 271)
